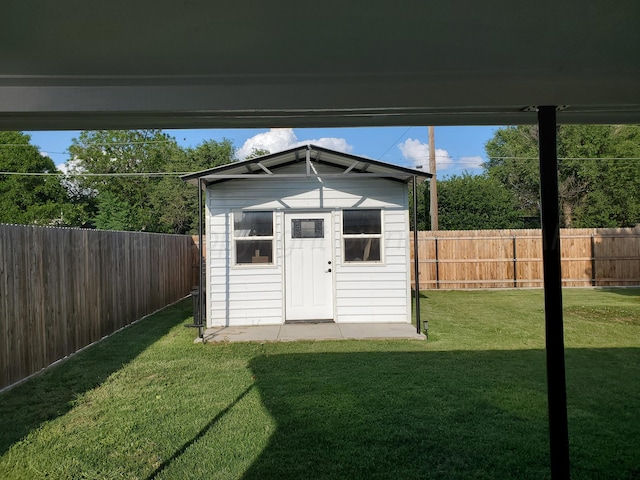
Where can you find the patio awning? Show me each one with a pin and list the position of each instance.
(200, 64)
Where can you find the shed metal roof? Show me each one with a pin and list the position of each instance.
(265, 167)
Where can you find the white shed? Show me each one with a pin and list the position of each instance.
(307, 234)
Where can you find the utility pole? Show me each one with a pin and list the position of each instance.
(433, 187)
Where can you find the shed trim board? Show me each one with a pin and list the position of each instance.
(326, 274)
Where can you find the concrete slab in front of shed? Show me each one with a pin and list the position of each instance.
(309, 331)
(379, 330)
(312, 331)
(261, 333)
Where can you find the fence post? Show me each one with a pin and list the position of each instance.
(593, 260)
(515, 264)
(437, 266)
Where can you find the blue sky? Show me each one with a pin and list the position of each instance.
(458, 149)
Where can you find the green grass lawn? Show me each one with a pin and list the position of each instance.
(470, 403)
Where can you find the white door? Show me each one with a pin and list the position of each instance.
(308, 266)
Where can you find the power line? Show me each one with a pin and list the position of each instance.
(86, 145)
(61, 174)
(124, 143)
(457, 160)
(395, 143)
(566, 158)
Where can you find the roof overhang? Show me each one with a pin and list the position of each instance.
(265, 168)
(117, 64)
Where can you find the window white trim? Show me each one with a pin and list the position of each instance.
(371, 236)
(250, 238)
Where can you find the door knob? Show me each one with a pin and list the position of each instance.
(329, 271)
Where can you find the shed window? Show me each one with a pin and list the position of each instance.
(362, 235)
(253, 237)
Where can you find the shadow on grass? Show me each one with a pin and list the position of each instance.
(51, 394)
(625, 291)
(443, 415)
(203, 431)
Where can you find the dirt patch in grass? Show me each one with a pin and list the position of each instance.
(605, 314)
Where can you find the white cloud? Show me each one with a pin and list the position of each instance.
(471, 163)
(333, 143)
(279, 139)
(275, 140)
(73, 166)
(418, 153)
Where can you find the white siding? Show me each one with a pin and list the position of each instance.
(377, 292)
(244, 295)
(366, 292)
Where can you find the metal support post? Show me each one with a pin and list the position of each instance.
(556, 382)
(199, 322)
(416, 262)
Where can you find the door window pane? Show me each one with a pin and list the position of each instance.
(307, 228)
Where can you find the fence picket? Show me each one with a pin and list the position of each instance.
(61, 289)
(508, 258)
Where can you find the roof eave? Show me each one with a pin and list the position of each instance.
(221, 173)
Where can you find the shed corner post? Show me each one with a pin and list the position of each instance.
(201, 315)
(416, 263)
(552, 274)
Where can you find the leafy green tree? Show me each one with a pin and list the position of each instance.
(423, 220)
(513, 154)
(257, 152)
(476, 202)
(155, 203)
(31, 199)
(112, 213)
(122, 154)
(594, 190)
(613, 197)
(176, 201)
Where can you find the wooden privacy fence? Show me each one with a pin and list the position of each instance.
(513, 258)
(62, 289)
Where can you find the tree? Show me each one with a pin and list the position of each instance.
(613, 199)
(151, 201)
(112, 213)
(123, 152)
(513, 153)
(31, 199)
(594, 191)
(257, 152)
(177, 201)
(423, 219)
(476, 202)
